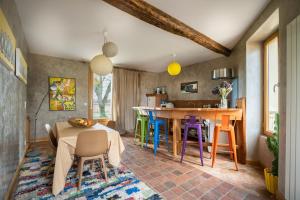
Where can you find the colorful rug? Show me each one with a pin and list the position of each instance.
(35, 181)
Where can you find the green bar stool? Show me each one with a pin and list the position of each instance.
(143, 120)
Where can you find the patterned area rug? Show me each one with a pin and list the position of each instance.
(35, 181)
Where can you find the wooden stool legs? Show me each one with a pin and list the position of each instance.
(233, 147)
(215, 144)
(231, 141)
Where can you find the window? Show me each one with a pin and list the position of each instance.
(271, 93)
(102, 96)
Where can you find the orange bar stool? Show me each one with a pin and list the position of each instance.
(227, 128)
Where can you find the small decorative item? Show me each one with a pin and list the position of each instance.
(163, 90)
(62, 94)
(7, 43)
(190, 87)
(158, 90)
(81, 122)
(271, 175)
(21, 66)
(222, 91)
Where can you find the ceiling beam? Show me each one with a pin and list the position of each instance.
(152, 15)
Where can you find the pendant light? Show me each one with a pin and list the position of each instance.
(174, 67)
(101, 64)
(109, 48)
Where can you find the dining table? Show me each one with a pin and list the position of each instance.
(212, 114)
(66, 136)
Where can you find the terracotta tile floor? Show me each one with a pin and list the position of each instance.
(189, 180)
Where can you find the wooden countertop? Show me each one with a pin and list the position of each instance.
(188, 109)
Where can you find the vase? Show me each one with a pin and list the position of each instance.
(224, 103)
(271, 181)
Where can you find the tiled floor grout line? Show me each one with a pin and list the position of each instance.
(210, 190)
(227, 193)
(162, 157)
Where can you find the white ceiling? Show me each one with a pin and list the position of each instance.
(73, 29)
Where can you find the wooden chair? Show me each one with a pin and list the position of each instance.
(91, 145)
(109, 123)
(51, 138)
(228, 128)
(52, 143)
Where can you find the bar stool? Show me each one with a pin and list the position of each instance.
(228, 128)
(156, 123)
(192, 123)
(143, 120)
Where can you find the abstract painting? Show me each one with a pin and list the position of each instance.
(21, 66)
(62, 94)
(7, 43)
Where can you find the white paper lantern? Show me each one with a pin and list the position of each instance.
(101, 65)
(109, 49)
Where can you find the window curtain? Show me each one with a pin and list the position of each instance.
(126, 94)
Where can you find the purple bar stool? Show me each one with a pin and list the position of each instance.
(192, 123)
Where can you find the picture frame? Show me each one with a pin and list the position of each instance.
(7, 43)
(62, 94)
(189, 87)
(21, 66)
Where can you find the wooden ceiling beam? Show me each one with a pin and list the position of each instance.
(152, 15)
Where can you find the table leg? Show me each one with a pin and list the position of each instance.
(176, 137)
(241, 141)
(179, 142)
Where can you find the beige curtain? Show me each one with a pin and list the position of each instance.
(126, 93)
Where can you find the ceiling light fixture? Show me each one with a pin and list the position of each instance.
(101, 64)
(174, 67)
(109, 49)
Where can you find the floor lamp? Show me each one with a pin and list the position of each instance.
(53, 88)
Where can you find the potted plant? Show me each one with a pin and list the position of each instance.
(223, 90)
(271, 175)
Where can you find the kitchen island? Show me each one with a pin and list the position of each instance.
(212, 114)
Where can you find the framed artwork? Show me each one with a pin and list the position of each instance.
(62, 94)
(21, 66)
(190, 87)
(7, 43)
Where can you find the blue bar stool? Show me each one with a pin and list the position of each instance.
(156, 123)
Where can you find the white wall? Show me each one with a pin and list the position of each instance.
(254, 94)
(292, 178)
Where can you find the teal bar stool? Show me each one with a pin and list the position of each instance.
(143, 121)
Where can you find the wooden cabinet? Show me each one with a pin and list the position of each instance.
(154, 100)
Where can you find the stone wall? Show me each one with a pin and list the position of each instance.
(43, 67)
(148, 81)
(200, 72)
(12, 106)
(237, 60)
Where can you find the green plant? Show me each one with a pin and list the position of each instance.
(273, 145)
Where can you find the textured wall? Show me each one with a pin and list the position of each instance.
(200, 72)
(12, 106)
(238, 60)
(41, 68)
(148, 81)
(289, 9)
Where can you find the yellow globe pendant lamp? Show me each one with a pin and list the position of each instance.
(174, 67)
